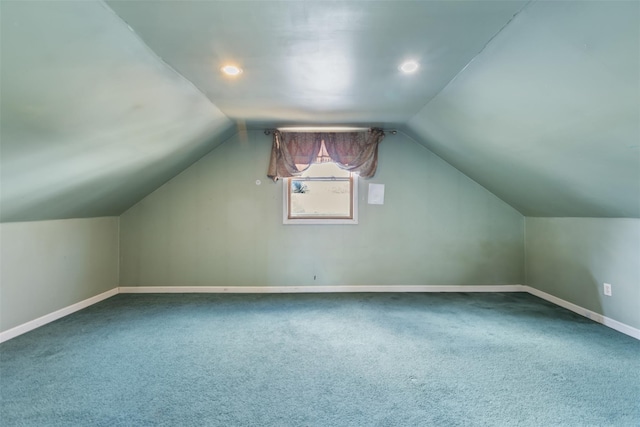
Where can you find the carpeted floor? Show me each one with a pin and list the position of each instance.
(321, 360)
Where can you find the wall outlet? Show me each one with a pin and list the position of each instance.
(607, 289)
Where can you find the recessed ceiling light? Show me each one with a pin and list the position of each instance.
(231, 70)
(408, 67)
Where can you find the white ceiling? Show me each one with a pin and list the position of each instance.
(103, 102)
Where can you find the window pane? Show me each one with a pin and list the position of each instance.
(326, 199)
(326, 169)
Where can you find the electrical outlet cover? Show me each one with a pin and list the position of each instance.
(607, 289)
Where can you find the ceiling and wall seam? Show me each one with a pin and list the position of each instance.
(92, 119)
(453, 79)
(224, 139)
(387, 142)
(462, 172)
(501, 138)
(408, 136)
(159, 58)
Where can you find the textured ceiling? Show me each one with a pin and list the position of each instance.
(101, 103)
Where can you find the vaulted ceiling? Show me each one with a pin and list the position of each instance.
(101, 103)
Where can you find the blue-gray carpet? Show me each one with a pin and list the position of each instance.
(321, 360)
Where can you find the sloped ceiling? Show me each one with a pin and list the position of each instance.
(548, 116)
(91, 120)
(537, 101)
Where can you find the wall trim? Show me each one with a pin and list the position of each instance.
(315, 289)
(40, 321)
(596, 317)
(58, 314)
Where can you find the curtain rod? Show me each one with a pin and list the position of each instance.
(269, 131)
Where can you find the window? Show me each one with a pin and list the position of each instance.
(323, 194)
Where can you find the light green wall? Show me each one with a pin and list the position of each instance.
(49, 265)
(213, 226)
(571, 258)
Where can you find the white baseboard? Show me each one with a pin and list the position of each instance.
(33, 324)
(48, 318)
(313, 289)
(596, 317)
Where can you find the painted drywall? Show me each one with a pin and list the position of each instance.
(319, 62)
(49, 265)
(571, 258)
(547, 117)
(91, 120)
(213, 226)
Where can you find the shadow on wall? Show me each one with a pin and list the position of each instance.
(553, 271)
(571, 258)
(105, 182)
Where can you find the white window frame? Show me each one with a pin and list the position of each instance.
(286, 185)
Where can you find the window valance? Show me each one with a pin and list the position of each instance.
(293, 152)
